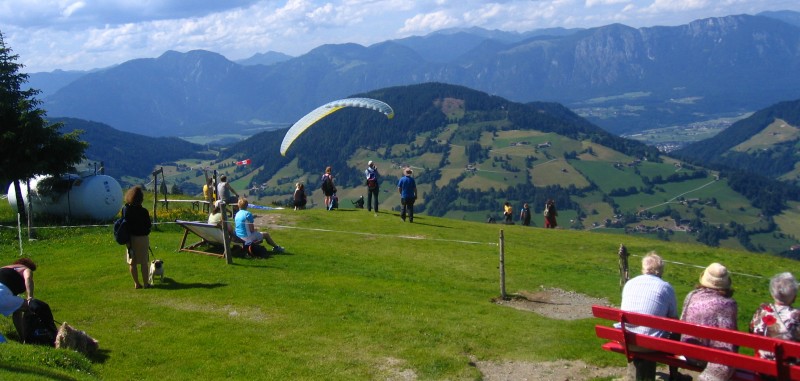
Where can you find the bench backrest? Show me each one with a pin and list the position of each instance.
(783, 349)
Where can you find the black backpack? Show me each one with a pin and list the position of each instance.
(38, 325)
(122, 233)
(327, 184)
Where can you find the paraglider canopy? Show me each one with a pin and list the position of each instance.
(322, 111)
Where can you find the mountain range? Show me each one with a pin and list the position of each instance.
(621, 78)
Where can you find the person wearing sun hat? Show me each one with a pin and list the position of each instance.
(711, 304)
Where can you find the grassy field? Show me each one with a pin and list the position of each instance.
(355, 297)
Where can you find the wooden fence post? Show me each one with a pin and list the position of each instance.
(226, 239)
(502, 265)
(623, 266)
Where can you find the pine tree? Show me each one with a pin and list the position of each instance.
(31, 146)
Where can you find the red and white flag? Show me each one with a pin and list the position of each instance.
(243, 162)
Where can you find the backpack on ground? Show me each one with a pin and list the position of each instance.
(122, 233)
(334, 202)
(38, 325)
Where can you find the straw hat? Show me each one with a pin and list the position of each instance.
(716, 276)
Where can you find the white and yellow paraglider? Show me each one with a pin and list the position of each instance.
(322, 111)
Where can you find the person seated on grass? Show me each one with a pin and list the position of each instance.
(246, 230)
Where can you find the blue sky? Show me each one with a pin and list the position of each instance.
(87, 34)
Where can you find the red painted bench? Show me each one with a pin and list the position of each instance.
(673, 352)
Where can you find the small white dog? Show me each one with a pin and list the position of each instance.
(156, 269)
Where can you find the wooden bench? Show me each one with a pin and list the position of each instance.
(210, 235)
(674, 353)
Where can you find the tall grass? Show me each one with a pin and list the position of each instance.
(355, 297)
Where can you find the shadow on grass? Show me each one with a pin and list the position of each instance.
(100, 356)
(170, 284)
(40, 373)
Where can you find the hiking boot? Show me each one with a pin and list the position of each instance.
(278, 249)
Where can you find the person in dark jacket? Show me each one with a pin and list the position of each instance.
(139, 224)
(14, 280)
(371, 173)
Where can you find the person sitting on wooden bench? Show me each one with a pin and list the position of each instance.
(246, 230)
(711, 304)
(649, 294)
(778, 319)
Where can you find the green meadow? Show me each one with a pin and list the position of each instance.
(355, 297)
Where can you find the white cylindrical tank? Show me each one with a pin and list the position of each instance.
(93, 197)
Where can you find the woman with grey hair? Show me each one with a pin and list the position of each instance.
(778, 319)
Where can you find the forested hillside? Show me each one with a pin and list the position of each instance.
(766, 143)
(128, 154)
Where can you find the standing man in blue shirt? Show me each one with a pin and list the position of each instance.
(372, 185)
(408, 194)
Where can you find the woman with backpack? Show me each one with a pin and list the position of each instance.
(139, 223)
(328, 187)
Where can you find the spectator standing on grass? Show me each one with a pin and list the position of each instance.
(328, 187)
(224, 191)
(525, 215)
(208, 191)
(139, 223)
(778, 319)
(407, 188)
(371, 173)
(299, 196)
(550, 214)
(508, 213)
(649, 294)
(711, 304)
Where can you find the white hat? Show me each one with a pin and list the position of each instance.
(370, 163)
(716, 276)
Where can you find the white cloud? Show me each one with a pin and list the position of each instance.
(428, 22)
(85, 34)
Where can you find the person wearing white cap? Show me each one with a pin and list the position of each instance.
(371, 173)
(711, 304)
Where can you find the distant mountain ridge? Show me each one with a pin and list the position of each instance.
(767, 143)
(623, 79)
